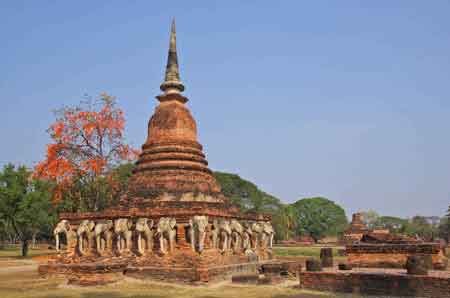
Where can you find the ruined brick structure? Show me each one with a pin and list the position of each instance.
(174, 223)
(378, 283)
(356, 229)
(392, 251)
(393, 255)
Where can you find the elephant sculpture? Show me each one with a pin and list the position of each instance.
(224, 235)
(247, 238)
(144, 235)
(63, 227)
(122, 230)
(167, 233)
(103, 235)
(85, 235)
(215, 234)
(257, 229)
(237, 232)
(198, 226)
(267, 235)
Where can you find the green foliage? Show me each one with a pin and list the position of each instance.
(319, 217)
(444, 229)
(25, 204)
(311, 251)
(246, 195)
(249, 198)
(285, 222)
(106, 189)
(396, 225)
(419, 226)
(316, 217)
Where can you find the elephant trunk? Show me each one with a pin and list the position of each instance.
(193, 240)
(57, 240)
(98, 242)
(139, 243)
(80, 243)
(161, 244)
(201, 240)
(119, 239)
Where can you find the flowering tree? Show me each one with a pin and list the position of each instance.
(88, 144)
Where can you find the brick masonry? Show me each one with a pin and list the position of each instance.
(392, 255)
(366, 283)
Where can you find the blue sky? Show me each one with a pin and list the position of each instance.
(344, 99)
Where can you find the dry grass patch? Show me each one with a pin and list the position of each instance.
(29, 285)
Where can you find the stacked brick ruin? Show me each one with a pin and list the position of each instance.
(380, 249)
(377, 283)
(174, 223)
(389, 251)
(356, 229)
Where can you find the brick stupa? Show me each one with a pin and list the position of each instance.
(172, 167)
(174, 224)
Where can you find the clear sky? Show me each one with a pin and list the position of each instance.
(344, 99)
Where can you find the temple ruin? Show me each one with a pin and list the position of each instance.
(174, 224)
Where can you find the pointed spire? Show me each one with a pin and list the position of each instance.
(172, 83)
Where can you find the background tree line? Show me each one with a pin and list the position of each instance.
(87, 166)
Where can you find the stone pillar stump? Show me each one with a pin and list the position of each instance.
(326, 257)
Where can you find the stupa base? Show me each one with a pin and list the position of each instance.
(210, 266)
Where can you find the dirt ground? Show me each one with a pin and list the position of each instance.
(19, 279)
(23, 281)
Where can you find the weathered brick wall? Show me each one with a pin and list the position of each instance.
(392, 255)
(377, 284)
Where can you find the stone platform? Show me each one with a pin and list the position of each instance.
(183, 266)
(393, 255)
(385, 282)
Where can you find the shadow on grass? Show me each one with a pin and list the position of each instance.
(14, 252)
(117, 295)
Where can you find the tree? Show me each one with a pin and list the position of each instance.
(87, 144)
(444, 229)
(285, 223)
(25, 204)
(419, 226)
(246, 195)
(370, 218)
(249, 198)
(395, 225)
(319, 217)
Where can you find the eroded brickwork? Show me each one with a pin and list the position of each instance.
(393, 255)
(386, 284)
(174, 223)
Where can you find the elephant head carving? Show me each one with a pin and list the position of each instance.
(167, 233)
(237, 232)
(103, 235)
(198, 226)
(144, 231)
(267, 235)
(224, 235)
(85, 235)
(122, 229)
(257, 229)
(247, 238)
(62, 227)
(215, 234)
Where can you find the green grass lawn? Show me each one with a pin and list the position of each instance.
(14, 251)
(305, 251)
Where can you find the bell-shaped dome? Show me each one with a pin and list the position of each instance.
(172, 121)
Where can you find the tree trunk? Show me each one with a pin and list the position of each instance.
(33, 240)
(24, 248)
